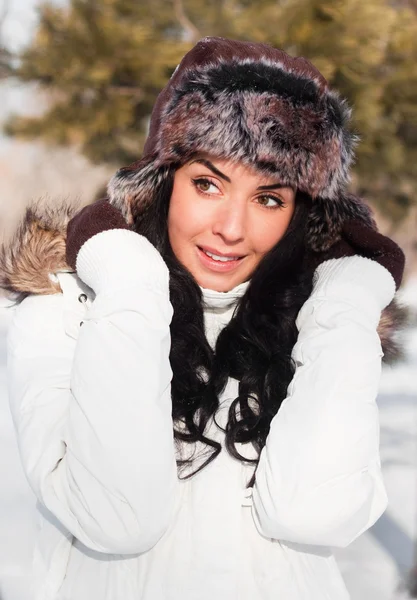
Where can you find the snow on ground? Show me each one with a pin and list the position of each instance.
(375, 566)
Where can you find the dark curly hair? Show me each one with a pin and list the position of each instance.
(254, 348)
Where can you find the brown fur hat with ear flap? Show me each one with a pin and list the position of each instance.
(242, 101)
(256, 104)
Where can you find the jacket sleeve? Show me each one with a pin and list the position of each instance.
(93, 416)
(319, 475)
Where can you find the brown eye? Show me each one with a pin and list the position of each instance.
(270, 201)
(204, 185)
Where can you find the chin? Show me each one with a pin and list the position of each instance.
(218, 284)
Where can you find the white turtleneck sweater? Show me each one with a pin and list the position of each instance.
(92, 410)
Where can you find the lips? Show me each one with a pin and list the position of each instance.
(221, 254)
(219, 266)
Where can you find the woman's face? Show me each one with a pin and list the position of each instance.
(223, 218)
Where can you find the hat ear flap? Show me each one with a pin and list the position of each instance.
(134, 188)
(326, 218)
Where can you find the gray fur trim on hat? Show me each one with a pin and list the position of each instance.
(257, 113)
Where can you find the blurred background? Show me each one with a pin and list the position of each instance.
(78, 79)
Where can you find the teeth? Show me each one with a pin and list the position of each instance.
(220, 258)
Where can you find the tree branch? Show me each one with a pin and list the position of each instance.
(5, 67)
(5, 54)
(189, 27)
(125, 90)
(413, 5)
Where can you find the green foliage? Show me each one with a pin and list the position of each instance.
(104, 61)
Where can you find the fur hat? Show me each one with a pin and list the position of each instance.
(255, 104)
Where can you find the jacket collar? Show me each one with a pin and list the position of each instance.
(223, 300)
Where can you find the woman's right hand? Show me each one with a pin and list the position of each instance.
(92, 219)
(358, 239)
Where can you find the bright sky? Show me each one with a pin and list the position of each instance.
(16, 31)
(20, 20)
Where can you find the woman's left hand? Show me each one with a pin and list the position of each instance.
(361, 240)
(92, 219)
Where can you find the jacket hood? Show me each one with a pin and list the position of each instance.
(236, 100)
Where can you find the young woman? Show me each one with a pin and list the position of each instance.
(194, 363)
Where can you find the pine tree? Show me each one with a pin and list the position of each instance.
(6, 68)
(104, 61)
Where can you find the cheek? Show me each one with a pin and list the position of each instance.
(268, 231)
(185, 220)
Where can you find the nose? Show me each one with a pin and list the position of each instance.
(230, 220)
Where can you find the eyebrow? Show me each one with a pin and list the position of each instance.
(215, 170)
(273, 186)
(210, 166)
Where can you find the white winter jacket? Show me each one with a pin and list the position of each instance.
(92, 410)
